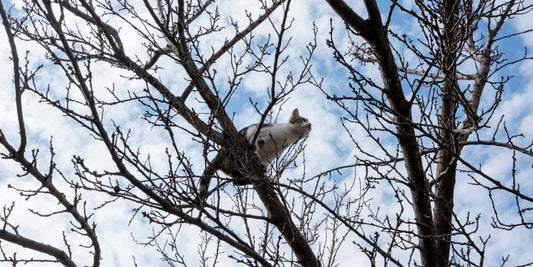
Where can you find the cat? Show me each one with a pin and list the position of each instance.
(270, 143)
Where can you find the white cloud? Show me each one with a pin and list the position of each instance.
(327, 146)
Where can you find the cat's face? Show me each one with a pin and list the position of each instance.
(302, 124)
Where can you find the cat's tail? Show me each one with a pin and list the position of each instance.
(209, 172)
(203, 187)
(224, 162)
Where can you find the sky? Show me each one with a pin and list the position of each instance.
(116, 227)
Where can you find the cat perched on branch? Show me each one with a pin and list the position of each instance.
(270, 142)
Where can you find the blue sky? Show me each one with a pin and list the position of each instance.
(328, 139)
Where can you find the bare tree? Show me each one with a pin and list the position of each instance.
(423, 115)
(173, 31)
(430, 100)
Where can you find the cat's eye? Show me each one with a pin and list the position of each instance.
(300, 120)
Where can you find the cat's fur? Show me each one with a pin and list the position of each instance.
(270, 143)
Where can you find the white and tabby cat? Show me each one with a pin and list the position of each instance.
(270, 143)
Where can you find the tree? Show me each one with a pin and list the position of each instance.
(434, 111)
(184, 85)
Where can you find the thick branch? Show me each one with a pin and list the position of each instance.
(16, 79)
(59, 254)
(449, 46)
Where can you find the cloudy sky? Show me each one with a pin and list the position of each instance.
(328, 139)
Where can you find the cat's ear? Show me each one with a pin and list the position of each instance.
(295, 115)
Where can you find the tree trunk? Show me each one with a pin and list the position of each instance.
(446, 163)
(374, 32)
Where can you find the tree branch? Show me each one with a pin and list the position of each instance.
(59, 254)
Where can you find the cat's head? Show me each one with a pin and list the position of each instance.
(302, 124)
